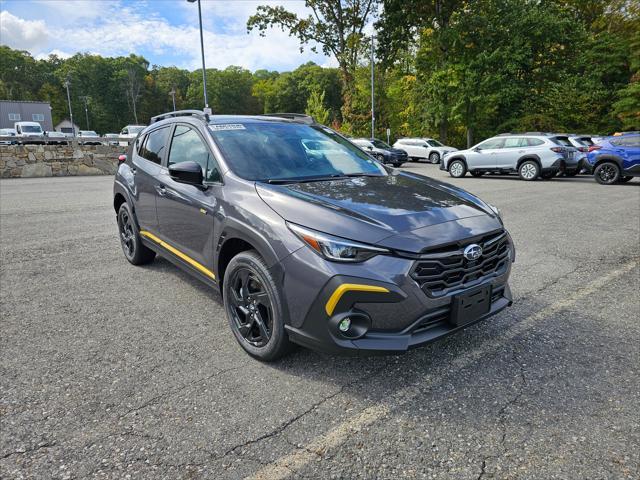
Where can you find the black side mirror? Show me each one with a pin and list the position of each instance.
(187, 172)
(477, 149)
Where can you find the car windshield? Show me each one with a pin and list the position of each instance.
(88, 133)
(136, 129)
(434, 143)
(380, 144)
(31, 129)
(269, 151)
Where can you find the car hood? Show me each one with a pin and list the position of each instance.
(395, 210)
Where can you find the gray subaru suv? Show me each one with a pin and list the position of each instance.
(531, 155)
(323, 247)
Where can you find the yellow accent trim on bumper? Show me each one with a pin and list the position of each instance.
(346, 287)
(179, 254)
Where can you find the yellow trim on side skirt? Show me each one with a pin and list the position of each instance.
(346, 287)
(179, 254)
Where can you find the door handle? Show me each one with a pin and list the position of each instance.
(134, 170)
(162, 191)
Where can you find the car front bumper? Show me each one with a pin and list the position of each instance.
(387, 306)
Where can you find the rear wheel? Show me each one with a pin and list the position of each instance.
(254, 308)
(607, 173)
(457, 169)
(529, 170)
(434, 157)
(132, 246)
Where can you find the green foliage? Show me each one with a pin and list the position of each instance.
(316, 108)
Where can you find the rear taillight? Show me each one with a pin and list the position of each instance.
(583, 149)
(557, 149)
(594, 147)
(122, 158)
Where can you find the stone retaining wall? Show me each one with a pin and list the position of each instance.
(58, 160)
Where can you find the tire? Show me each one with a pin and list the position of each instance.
(254, 309)
(547, 175)
(380, 158)
(626, 179)
(476, 173)
(434, 157)
(529, 170)
(607, 173)
(134, 251)
(457, 169)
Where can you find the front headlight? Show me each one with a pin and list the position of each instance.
(335, 249)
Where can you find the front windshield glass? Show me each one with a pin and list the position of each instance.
(88, 133)
(380, 144)
(137, 129)
(31, 129)
(266, 151)
(435, 143)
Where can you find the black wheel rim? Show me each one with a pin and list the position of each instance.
(127, 235)
(607, 173)
(250, 306)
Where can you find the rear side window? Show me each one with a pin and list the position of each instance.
(564, 141)
(188, 146)
(535, 142)
(627, 142)
(153, 145)
(515, 142)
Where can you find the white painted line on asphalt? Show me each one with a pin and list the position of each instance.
(291, 463)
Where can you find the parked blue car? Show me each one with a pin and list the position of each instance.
(615, 159)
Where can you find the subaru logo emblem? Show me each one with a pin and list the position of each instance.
(473, 252)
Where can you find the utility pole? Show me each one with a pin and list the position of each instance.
(173, 96)
(73, 128)
(373, 115)
(85, 100)
(204, 70)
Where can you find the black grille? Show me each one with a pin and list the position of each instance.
(445, 269)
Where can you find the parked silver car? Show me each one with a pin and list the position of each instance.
(531, 155)
(423, 149)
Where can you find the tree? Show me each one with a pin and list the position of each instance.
(316, 108)
(335, 25)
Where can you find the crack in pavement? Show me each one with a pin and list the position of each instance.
(29, 450)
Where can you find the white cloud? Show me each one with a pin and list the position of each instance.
(111, 29)
(22, 34)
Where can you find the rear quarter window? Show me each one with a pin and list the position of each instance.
(535, 142)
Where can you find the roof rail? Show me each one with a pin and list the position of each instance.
(296, 117)
(182, 113)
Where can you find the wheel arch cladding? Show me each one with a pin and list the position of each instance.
(608, 158)
(457, 157)
(524, 158)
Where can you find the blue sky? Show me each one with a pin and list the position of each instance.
(165, 32)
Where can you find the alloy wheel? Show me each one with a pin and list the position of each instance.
(127, 234)
(456, 169)
(529, 171)
(434, 157)
(607, 173)
(251, 308)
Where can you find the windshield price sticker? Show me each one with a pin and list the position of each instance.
(227, 126)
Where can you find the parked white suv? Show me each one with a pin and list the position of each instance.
(423, 149)
(531, 155)
(130, 132)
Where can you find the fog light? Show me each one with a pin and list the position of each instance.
(344, 325)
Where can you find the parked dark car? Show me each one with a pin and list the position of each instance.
(615, 159)
(381, 151)
(309, 239)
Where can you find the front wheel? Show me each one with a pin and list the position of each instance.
(529, 170)
(254, 308)
(607, 173)
(457, 169)
(134, 251)
(434, 157)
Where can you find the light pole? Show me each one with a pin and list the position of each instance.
(373, 115)
(173, 96)
(85, 100)
(73, 128)
(204, 71)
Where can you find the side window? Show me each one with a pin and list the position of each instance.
(534, 142)
(492, 143)
(514, 142)
(188, 146)
(154, 144)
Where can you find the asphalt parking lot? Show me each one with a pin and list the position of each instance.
(114, 371)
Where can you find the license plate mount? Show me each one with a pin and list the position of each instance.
(470, 306)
